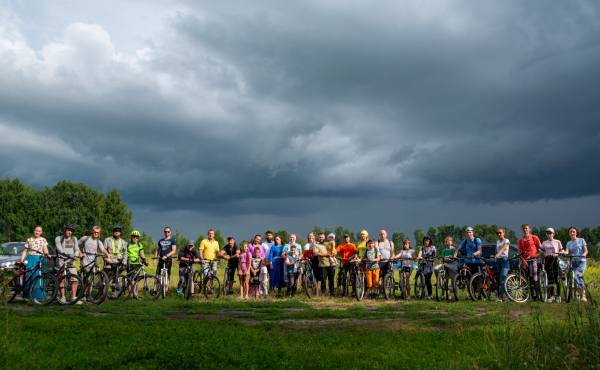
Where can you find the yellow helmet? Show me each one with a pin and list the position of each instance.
(135, 233)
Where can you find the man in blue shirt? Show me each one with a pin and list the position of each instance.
(166, 248)
(473, 247)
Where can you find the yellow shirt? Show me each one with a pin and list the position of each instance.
(210, 249)
(362, 246)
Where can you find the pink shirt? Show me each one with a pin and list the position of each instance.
(551, 247)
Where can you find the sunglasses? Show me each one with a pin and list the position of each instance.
(135, 236)
(498, 232)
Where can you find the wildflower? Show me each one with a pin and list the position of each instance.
(557, 349)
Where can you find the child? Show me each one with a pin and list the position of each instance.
(264, 278)
(254, 273)
(331, 249)
(408, 255)
(243, 269)
(372, 257)
(291, 266)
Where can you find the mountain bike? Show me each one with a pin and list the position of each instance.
(309, 282)
(359, 281)
(207, 281)
(142, 286)
(95, 281)
(420, 286)
(67, 281)
(341, 280)
(460, 281)
(226, 279)
(164, 276)
(42, 284)
(482, 284)
(570, 286)
(442, 283)
(189, 274)
(389, 281)
(517, 284)
(118, 282)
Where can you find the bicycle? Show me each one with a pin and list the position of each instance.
(359, 280)
(207, 281)
(442, 291)
(570, 278)
(150, 288)
(65, 278)
(460, 281)
(389, 281)
(420, 286)
(341, 280)
(517, 285)
(118, 282)
(164, 276)
(309, 282)
(40, 283)
(226, 279)
(483, 283)
(95, 281)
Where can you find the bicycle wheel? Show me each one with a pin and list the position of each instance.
(312, 288)
(420, 287)
(146, 288)
(480, 287)
(543, 279)
(440, 286)
(43, 289)
(8, 286)
(516, 287)
(402, 284)
(187, 289)
(117, 288)
(570, 286)
(98, 287)
(226, 283)
(164, 284)
(340, 290)
(128, 291)
(68, 285)
(359, 284)
(198, 276)
(389, 286)
(459, 287)
(212, 287)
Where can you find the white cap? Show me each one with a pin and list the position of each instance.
(470, 229)
(332, 235)
(551, 230)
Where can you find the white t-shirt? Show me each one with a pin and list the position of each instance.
(267, 248)
(263, 274)
(499, 245)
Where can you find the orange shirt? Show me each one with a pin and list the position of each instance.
(347, 251)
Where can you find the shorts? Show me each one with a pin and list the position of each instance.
(133, 267)
(532, 268)
(232, 269)
(205, 268)
(182, 274)
(167, 265)
(372, 277)
(72, 269)
(384, 267)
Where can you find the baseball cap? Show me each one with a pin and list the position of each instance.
(470, 229)
(551, 230)
(346, 236)
(190, 242)
(229, 237)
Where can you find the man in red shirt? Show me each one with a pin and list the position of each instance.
(528, 245)
(347, 250)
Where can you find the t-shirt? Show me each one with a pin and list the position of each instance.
(231, 251)
(347, 251)
(256, 263)
(551, 247)
(407, 254)
(294, 268)
(371, 254)
(185, 253)
(36, 246)
(362, 247)
(267, 247)
(386, 250)
(322, 248)
(90, 246)
(133, 252)
(499, 245)
(308, 250)
(264, 275)
(575, 247)
(288, 248)
(471, 247)
(209, 249)
(430, 253)
(69, 246)
(450, 253)
(166, 246)
(529, 247)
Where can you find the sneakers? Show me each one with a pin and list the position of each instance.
(78, 302)
(178, 291)
(63, 300)
(498, 299)
(430, 297)
(551, 299)
(557, 299)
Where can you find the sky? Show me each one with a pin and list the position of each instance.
(250, 115)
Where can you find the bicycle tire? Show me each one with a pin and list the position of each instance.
(360, 285)
(516, 287)
(47, 285)
(312, 288)
(226, 282)
(570, 285)
(389, 286)
(164, 284)
(8, 286)
(117, 288)
(67, 288)
(149, 291)
(340, 290)
(480, 287)
(543, 280)
(402, 284)
(187, 289)
(440, 285)
(460, 287)
(212, 287)
(420, 287)
(128, 291)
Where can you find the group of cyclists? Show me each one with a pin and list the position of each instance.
(268, 266)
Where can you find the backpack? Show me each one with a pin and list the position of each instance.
(85, 241)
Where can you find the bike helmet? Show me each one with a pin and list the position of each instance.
(117, 227)
(70, 227)
(135, 233)
(427, 237)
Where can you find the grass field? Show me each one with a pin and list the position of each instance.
(301, 333)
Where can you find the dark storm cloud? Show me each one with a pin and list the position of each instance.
(231, 106)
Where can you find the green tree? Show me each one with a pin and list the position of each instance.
(180, 239)
(219, 238)
(316, 230)
(419, 235)
(398, 238)
(198, 241)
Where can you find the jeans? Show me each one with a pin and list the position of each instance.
(578, 267)
(503, 266)
(553, 270)
(264, 288)
(292, 283)
(428, 283)
(327, 273)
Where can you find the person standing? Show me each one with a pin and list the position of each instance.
(256, 245)
(347, 250)
(135, 252)
(116, 247)
(549, 251)
(450, 264)
(528, 245)
(427, 253)
(473, 247)
(577, 247)
(255, 265)
(292, 267)
(35, 250)
(407, 255)
(286, 252)
(264, 279)
(231, 252)
(309, 254)
(167, 247)
(362, 244)
(187, 256)
(68, 245)
(386, 248)
(371, 257)
(244, 263)
(268, 243)
(209, 250)
(327, 272)
(502, 263)
(277, 264)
